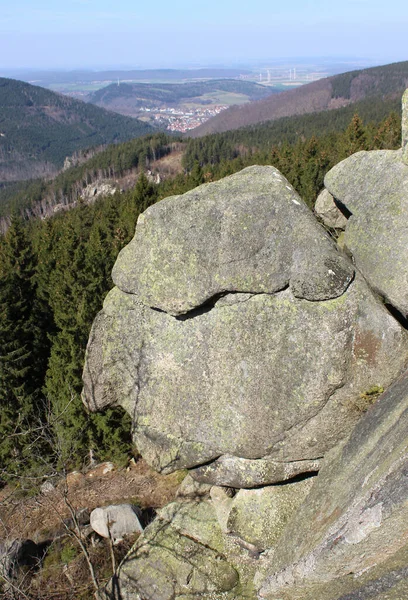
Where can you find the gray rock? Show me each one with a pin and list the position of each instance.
(95, 190)
(180, 555)
(256, 377)
(116, 521)
(260, 516)
(373, 186)
(355, 517)
(249, 232)
(329, 213)
(190, 489)
(255, 386)
(405, 127)
(17, 553)
(237, 472)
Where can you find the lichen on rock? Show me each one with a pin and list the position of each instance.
(254, 386)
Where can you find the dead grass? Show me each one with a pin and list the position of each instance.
(36, 517)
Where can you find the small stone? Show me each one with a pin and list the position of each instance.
(47, 487)
(329, 213)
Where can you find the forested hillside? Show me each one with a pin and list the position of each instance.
(124, 96)
(39, 129)
(37, 198)
(54, 274)
(330, 93)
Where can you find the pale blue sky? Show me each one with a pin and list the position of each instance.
(102, 33)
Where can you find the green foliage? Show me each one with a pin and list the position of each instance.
(383, 80)
(113, 161)
(23, 347)
(68, 553)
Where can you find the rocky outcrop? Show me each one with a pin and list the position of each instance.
(247, 347)
(182, 554)
(373, 186)
(208, 548)
(356, 515)
(240, 340)
(95, 190)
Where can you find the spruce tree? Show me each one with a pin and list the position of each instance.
(23, 349)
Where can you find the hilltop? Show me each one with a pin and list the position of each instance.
(39, 129)
(324, 94)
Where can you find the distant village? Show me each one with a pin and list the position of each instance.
(179, 119)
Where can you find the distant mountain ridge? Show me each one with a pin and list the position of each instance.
(39, 128)
(324, 94)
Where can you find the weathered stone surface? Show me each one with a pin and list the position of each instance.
(355, 517)
(115, 521)
(192, 490)
(17, 553)
(373, 186)
(239, 472)
(180, 555)
(405, 127)
(249, 232)
(330, 214)
(260, 516)
(256, 377)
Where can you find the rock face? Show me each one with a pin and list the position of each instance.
(209, 548)
(405, 127)
(260, 516)
(246, 347)
(356, 515)
(94, 190)
(246, 233)
(240, 340)
(373, 186)
(181, 555)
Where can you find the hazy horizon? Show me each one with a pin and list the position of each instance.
(88, 34)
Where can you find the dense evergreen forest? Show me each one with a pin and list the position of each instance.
(55, 273)
(112, 162)
(39, 128)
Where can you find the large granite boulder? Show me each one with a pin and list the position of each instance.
(349, 539)
(246, 233)
(373, 186)
(250, 364)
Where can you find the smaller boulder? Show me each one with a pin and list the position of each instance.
(327, 210)
(17, 553)
(116, 521)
